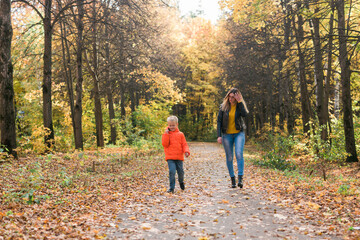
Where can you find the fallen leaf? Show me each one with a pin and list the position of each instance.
(313, 205)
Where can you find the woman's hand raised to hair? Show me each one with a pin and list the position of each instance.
(238, 97)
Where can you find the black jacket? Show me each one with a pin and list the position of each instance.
(223, 119)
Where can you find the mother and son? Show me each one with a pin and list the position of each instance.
(230, 132)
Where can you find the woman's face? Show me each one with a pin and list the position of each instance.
(232, 99)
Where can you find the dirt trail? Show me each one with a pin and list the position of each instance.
(209, 208)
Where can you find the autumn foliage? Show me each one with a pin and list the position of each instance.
(90, 108)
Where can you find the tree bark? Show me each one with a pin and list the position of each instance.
(329, 71)
(78, 135)
(96, 91)
(289, 106)
(7, 109)
(345, 85)
(132, 99)
(287, 82)
(66, 62)
(75, 108)
(122, 101)
(305, 104)
(321, 109)
(109, 85)
(337, 98)
(280, 87)
(46, 87)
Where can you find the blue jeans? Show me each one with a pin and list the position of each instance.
(229, 140)
(175, 166)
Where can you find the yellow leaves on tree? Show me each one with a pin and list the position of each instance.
(252, 12)
(199, 54)
(161, 89)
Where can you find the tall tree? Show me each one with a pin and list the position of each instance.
(345, 84)
(75, 102)
(304, 95)
(49, 19)
(7, 110)
(288, 105)
(46, 87)
(319, 73)
(95, 75)
(329, 72)
(79, 76)
(109, 87)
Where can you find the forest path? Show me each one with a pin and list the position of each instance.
(210, 209)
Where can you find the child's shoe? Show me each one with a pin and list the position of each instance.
(170, 191)
(182, 186)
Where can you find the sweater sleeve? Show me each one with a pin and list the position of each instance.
(165, 140)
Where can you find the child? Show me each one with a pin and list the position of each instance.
(175, 146)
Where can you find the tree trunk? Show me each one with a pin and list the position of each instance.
(329, 71)
(337, 98)
(137, 99)
(122, 101)
(7, 110)
(132, 99)
(319, 78)
(305, 104)
(269, 103)
(96, 91)
(109, 86)
(280, 87)
(46, 87)
(262, 108)
(78, 135)
(287, 82)
(112, 116)
(289, 106)
(345, 85)
(66, 62)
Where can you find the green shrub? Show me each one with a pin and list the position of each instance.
(144, 127)
(279, 149)
(276, 161)
(332, 150)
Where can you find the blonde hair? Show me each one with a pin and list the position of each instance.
(172, 119)
(225, 106)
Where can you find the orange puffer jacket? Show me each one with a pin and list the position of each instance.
(175, 145)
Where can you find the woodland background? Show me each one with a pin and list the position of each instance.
(85, 74)
(86, 87)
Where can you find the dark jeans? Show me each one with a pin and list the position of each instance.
(175, 166)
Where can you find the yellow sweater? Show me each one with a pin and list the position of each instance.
(231, 129)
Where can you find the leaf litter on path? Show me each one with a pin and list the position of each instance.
(116, 194)
(210, 209)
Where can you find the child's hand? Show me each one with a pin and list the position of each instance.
(167, 130)
(187, 154)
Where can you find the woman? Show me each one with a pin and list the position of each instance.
(230, 132)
